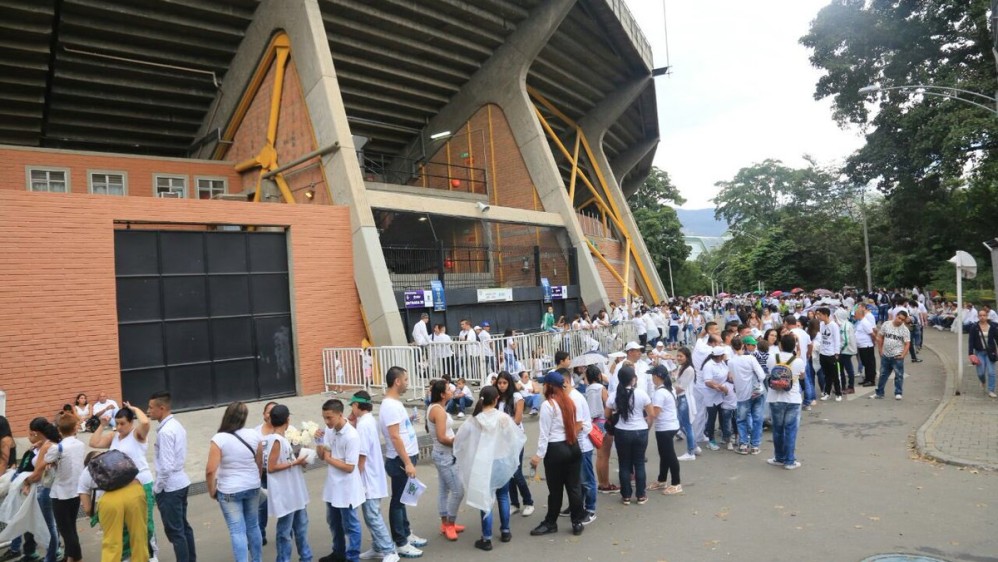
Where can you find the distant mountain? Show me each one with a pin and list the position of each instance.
(700, 222)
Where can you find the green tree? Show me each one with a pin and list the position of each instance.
(657, 220)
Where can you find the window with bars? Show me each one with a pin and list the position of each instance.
(171, 187)
(48, 180)
(108, 183)
(208, 188)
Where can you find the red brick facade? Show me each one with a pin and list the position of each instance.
(58, 321)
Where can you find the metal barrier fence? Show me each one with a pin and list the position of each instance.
(356, 367)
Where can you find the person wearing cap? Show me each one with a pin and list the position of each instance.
(635, 354)
(484, 333)
(558, 447)
(343, 491)
(372, 473)
(286, 486)
(893, 341)
(747, 375)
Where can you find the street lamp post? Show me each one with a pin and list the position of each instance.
(947, 92)
(672, 288)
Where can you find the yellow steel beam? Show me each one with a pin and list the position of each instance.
(627, 267)
(575, 165)
(609, 266)
(586, 203)
(557, 112)
(285, 189)
(283, 52)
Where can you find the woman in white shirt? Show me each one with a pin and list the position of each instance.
(513, 403)
(440, 426)
(558, 447)
(82, 408)
(685, 377)
(68, 459)
(630, 432)
(233, 478)
(665, 406)
(129, 436)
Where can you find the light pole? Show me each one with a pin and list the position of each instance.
(672, 288)
(947, 92)
(714, 284)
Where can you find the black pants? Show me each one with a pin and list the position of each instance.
(830, 365)
(65, 520)
(668, 462)
(563, 469)
(869, 361)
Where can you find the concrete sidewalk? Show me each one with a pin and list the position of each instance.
(963, 430)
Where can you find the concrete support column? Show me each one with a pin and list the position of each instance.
(302, 21)
(628, 159)
(595, 126)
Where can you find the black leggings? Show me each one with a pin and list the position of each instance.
(667, 460)
(563, 470)
(869, 361)
(830, 366)
(65, 512)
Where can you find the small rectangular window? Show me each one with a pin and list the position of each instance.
(209, 188)
(107, 183)
(171, 187)
(48, 180)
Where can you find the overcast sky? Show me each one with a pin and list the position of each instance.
(741, 90)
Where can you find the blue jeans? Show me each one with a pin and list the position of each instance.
(986, 370)
(887, 365)
(519, 484)
(726, 419)
(588, 482)
(809, 395)
(398, 519)
(685, 423)
(381, 539)
(631, 446)
(345, 527)
(532, 402)
(502, 497)
(455, 405)
(241, 512)
(173, 512)
(786, 418)
(750, 421)
(45, 503)
(674, 333)
(263, 511)
(295, 524)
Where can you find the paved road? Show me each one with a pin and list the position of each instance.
(861, 491)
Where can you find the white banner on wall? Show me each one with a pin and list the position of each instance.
(495, 295)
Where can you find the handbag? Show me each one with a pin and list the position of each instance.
(596, 436)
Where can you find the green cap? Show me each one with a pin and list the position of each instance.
(749, 340)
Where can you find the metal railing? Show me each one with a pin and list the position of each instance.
(471, 267)
(354, 367)
(387, 168)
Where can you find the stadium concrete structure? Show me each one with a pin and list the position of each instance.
(294, 173)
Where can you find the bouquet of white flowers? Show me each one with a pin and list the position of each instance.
(300, 439)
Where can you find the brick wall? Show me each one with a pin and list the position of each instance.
(138, 169)
(58, 320)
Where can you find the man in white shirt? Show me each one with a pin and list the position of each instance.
(372, 473)
(172, 483)
(828, 353)
(747, 376)
(635, 354)
(420, 335)
(484, 335)
(640, 327)
(866, 330)
(441, 352)
(343, 491)
(104, 407)
(401, 454)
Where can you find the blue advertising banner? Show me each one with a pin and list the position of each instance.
(437, 292)
(546, 286)
(559, 292)
(418, 299)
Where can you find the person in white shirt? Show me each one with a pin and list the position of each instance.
(784, 405)
(67, 457)
(747, 376)
(586, 446)
(803, 350)
(104, 407)
(640, 327)
(828, 353)
(288, 500)
(484, 335)
(420, 335)
(463, 398)
(639, 363)
(401, 454)
(81, 406)
(172, 483)
(866, 329)
(343, 491)
(630, 433)
(652, 332)
(372, 472)
(441, 352)
(715, 378)
(665, 406)
(232, 476)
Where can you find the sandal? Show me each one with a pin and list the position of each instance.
(672, 490)
(658, 485)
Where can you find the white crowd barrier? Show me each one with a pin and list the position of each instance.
(355, 368)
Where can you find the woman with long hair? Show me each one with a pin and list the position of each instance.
(82, 409)
(42, 435)
(596, 397)
(983, 350)
(232, 476)
(665, 407)
(512, 403)
(558, 447)
(487, 449)
(686, 406)
(440, 426)
(631, 404)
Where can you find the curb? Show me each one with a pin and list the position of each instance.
(925, 436)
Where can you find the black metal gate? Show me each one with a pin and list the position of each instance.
(205, 315)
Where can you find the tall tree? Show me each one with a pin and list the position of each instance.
(657, 220)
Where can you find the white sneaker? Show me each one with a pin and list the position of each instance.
(992, 395)
(687, 457)
(794, 466)
(370, 555)
(460, 415)
(838, 398)
(698, 450)
(897, 396)
(823, 397)
(528, 510)
(416, 541)
(408, 551)
(390, 557)
(514, 510)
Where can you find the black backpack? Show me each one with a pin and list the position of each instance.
(112, 470)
